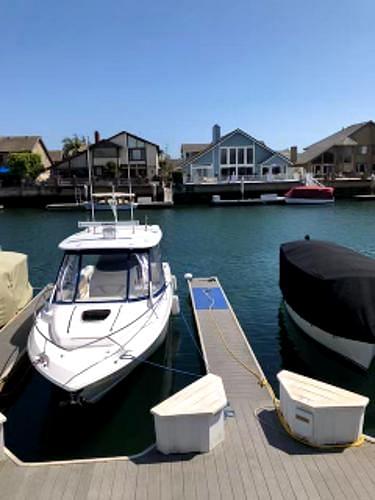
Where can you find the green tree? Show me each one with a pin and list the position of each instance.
(73, 145)
(25, 165)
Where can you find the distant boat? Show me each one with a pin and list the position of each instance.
(329, 292)
(312, 193)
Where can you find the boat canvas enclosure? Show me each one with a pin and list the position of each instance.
(15, 289)
(331, 287)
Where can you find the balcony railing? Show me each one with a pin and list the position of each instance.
(232, 179)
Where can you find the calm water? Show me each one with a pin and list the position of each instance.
(238, 244)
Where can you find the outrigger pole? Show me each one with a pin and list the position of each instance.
(90, 181)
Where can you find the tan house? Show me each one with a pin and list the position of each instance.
(347, 153)
(24, 144)
(117, 157)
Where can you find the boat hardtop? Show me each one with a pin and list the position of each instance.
(113, 236)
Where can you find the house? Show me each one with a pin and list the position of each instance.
(24, 144)
(347, 153)
(122, 155)
(234, 156)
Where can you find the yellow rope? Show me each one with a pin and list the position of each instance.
(263, 382)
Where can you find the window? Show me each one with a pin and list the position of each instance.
(276, 170)
(232, 156)
(157, 273)
(66, 281)
(361, 168)
(245, 171)
(223, 156)
(328, 157)
(137, 154)
(241, 156)
(135, 143)
(249, 156)
(363, 150)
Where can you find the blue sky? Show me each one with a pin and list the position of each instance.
(286, 71)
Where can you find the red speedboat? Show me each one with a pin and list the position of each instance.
(313, 194)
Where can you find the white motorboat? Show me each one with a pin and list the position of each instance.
(329, 293)
(109, 309)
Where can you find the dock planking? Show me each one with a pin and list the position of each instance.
(256, 460)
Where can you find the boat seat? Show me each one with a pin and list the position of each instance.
(108, 284)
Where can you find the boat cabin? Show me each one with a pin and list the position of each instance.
(126, 266)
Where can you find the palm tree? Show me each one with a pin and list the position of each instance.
(73, 145)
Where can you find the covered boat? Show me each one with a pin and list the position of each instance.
(329, 292)
(15, 289)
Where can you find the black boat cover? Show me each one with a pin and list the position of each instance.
(331, 287)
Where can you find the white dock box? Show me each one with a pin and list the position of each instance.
(192, 420)
(318, 412)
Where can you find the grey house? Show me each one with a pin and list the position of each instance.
(235, 156)
(115, 158)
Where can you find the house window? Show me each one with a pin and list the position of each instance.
(241, 156)
(363, 150)
(245, 171)
(135, 143)
(232, 156)
(223, 156)
(249, 156)
(136, 154)
(276, 170)
(328, 157)
(361, 168)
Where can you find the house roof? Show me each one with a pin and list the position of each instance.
(226, 136)
(56, 155)
(190, 148)
(341, 138)
(18, 143)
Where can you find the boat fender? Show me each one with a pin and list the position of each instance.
(175, 305)
(174, 283)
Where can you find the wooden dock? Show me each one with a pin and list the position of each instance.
(256, 460)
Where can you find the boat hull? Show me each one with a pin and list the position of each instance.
(307, 201)
(92, 393)
(360, 353)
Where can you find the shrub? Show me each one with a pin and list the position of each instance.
(25, 165)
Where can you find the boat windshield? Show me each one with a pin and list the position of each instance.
(109, 276)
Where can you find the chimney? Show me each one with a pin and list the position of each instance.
(293, 154)
(215, 133)
(96, 136)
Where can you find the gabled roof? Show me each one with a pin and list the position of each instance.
(56, 155)
(190, 148)
(226, 136)
(18, 143)
(341, 138)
